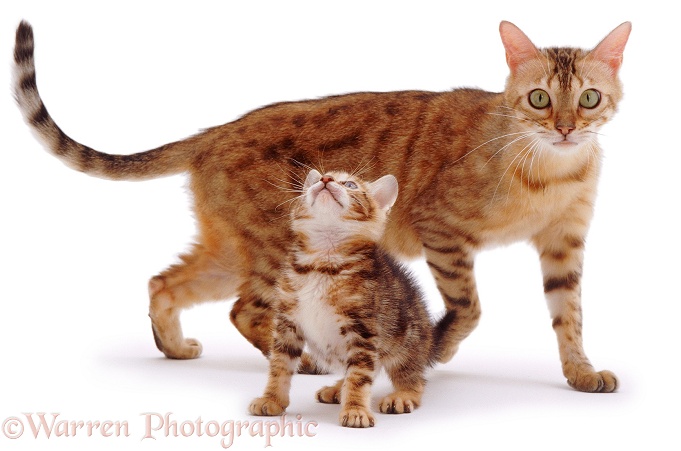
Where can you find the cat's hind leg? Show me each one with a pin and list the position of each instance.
(200, 277)
(331, 393)
(451, 263)
(253, 313)
(409, 383)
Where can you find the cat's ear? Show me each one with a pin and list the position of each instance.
(611, 48)
(313, 177)
(384, 191)
(519, 48)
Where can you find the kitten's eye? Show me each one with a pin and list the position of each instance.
(590, 98)
(351, 185)
(539, 99)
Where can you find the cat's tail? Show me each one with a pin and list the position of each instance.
(442, 329)
(166, 160)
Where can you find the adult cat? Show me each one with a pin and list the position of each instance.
(476, 169)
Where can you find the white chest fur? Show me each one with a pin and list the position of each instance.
(319, 321)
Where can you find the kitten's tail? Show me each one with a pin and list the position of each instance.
(443, 327)
(166, 160)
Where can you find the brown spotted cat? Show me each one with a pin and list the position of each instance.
(355, 307)
(475, 168)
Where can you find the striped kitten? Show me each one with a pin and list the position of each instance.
(476, 169)
(350, 302)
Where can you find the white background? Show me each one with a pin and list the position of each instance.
(127, 76)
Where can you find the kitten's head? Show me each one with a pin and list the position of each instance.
(563, 95)
(345, 203)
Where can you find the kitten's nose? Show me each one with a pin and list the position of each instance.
(326, 179)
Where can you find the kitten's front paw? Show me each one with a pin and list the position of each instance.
(594, 382)
(266, 407)
(356, 417)
(329, 395)
(398, 403)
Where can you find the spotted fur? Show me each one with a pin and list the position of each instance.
(475, 169)
(354, 306)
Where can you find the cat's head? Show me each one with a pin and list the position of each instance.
(563, 95)
(341, 201)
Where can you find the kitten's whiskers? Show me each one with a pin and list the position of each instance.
(363, 167)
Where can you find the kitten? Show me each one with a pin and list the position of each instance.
(354, 306)
(475, 168)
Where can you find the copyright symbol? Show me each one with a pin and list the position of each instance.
(13, 428)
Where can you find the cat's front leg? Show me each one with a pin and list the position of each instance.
(561, 250)
(355, 396)
(286, 352)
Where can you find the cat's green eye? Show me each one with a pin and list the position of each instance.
(351, 185)
(539, 99)
(590, 98)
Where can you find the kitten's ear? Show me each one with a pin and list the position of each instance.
(384, 191)
(313, 177)
(519, 48)
(611, 48)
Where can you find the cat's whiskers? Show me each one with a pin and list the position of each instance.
(526, 135)
(537, 153)
(298, 181)
(489, 141)
(320, 165)
(289, 201)
(523, 162)
(593, 151)
(300, 178)
(363, 167)
(509, 167)
(595, 133)
(284, 188)
(509, 115)
(295, 187)
(525, 116)
(526, 152)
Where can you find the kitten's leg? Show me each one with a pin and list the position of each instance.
(355, 396)
(409, 384)
(452, 266)
(561, 249)
(330, 394)
(199, 278)
(286, 352)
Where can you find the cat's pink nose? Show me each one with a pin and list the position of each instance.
(326, 179)
(565, 129)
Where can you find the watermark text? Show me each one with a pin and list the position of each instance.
(157, 425)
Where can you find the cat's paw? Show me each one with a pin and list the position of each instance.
(189, 348)
(266, 407)
(356, 417)
(398, 403)
(329, 395)
(594, 382)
